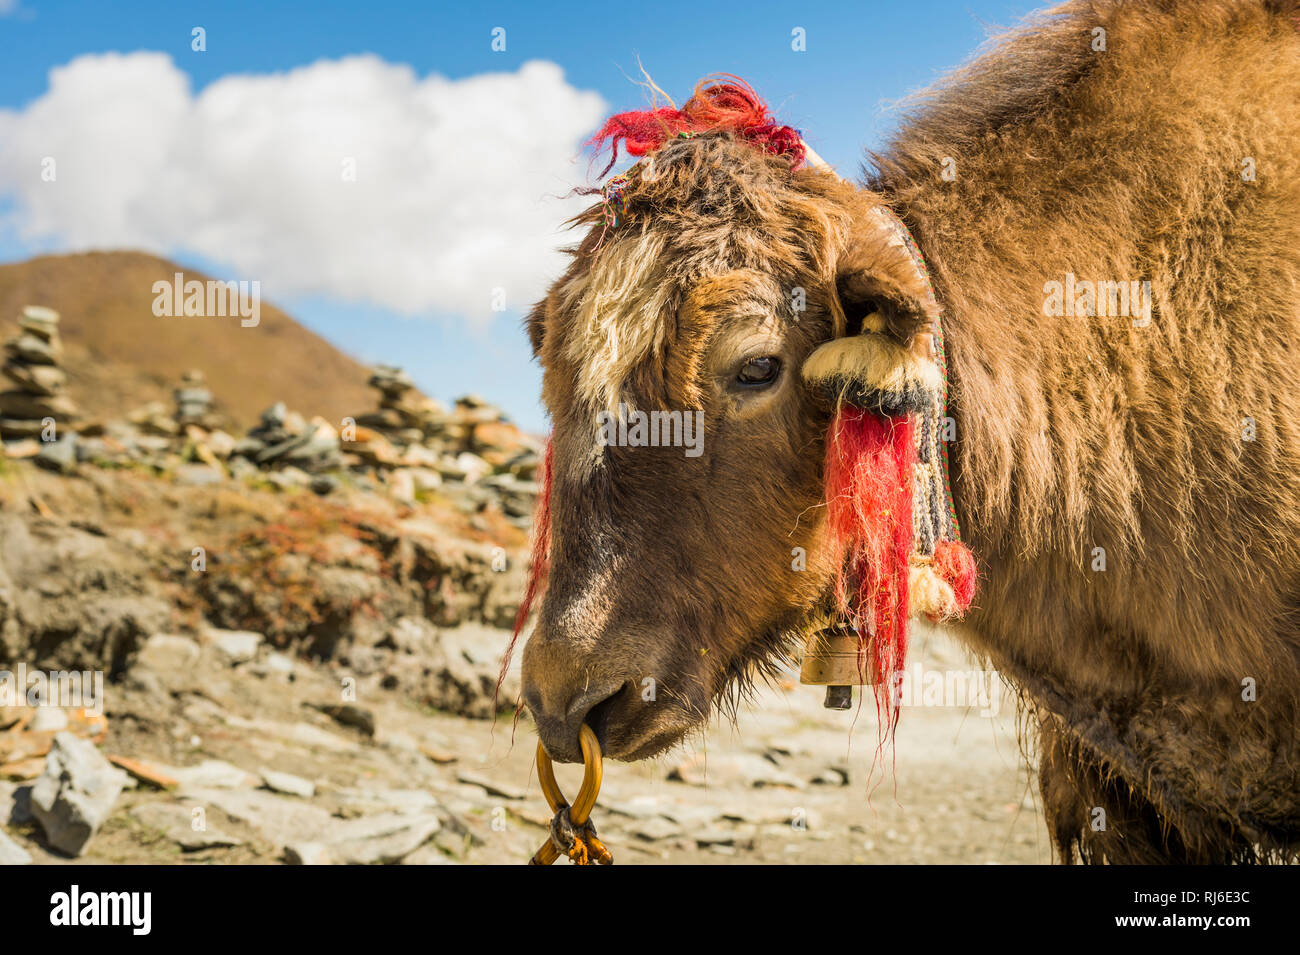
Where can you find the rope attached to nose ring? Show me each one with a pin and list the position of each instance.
(572, 832)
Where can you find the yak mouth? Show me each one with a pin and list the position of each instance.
(630, 729)
(633, 722)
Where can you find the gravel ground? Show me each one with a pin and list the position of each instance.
(271, 778)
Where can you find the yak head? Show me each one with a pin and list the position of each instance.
(688, 353)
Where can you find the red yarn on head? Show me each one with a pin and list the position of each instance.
(869, 473)
(722, 102)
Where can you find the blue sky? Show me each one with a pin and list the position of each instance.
(858, 58)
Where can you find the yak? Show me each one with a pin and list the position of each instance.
(1105, 209)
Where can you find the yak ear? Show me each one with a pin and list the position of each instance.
(883, 359)
(885, 316)
(536, 325)
(872, 371)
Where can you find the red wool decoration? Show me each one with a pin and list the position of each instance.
(539, 561)
(722, 102)
(954, 563)
(869, 468)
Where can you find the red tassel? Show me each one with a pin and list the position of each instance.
(539, 561)
(954, 563)
(869, 473)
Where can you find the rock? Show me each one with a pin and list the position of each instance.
(39, 320)
(386, 838)
(153, 418)
(280, 820)
(48, 719)
(832, 776)
(393, 800)
(303, 734)
(199, 475)
(177, 823)
(15, 803)
(239, 646)
(371, 447)
(36, 379)
(212, 774)
(655, 828)
(280, 664)
(60, 455)
(275, 416)
(462, 673)
(348, 714)
(242, 469)
(21, 404)
(168, 654)
(289, 477)
(11, 853)
(25, 448)
(35, 350)
(12, 428)
(401, 485)
(221, 444)
(492, 788)
(426, 479)
(287, 783)
(739, 769)
(301, 827)
(429, 854)
(713, 837)
(307, 853)
(472, 467)
(75, 794)
(193, 400)
(390, 380)
(411, 635)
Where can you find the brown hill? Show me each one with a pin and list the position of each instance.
(120, 355)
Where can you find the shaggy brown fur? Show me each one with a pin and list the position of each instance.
(1073, 433)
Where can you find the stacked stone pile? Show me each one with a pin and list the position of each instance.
(194, 402)
(472, 455)
(284, 439)
(35, 397)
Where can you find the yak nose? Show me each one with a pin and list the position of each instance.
(560, 693)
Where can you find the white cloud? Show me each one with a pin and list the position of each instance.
(458, 182)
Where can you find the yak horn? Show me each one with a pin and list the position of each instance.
(923, 343)
(812, 159)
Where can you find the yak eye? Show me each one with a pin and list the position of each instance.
(759, 371)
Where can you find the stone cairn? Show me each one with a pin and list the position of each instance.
(194, 402)
(411, 447)
(284, 440)
(31, 365)
(405, 416)
(472, 455)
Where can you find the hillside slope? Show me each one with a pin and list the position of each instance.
(120, 355)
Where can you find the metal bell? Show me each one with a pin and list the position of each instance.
(836, 659)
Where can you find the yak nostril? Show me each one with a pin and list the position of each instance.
(559, 730)
(598, 716)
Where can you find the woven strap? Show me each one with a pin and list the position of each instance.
(908, 241)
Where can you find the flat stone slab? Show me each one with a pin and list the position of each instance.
(177, 823)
